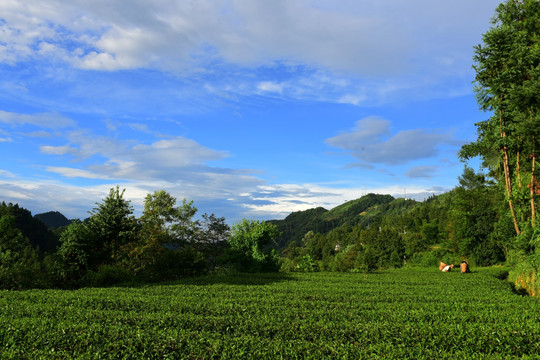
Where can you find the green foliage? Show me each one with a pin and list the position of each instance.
(108, 275)
(34, 230)
(306, 264)
(346, 259)
(507, 77)
(472, 219)
(112, 247)
(178, 263)
(350, 212)
(360, 211)
(20, 266)
(250, 249)
(465, 223)
(112, 226)
(393, 314)
(53, 219)
(211, 238)
(75, 256)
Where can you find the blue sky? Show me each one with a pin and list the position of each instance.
(250, 108)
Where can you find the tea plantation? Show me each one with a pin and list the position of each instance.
(397, 314)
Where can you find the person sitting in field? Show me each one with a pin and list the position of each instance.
(445, 268)
(464, 266)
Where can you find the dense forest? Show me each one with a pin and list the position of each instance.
(489, 218)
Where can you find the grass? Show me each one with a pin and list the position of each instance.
(400, 314)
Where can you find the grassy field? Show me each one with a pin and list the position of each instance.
(408, 313)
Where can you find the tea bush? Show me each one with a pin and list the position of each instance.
(397, 314)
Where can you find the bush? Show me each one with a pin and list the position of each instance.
(287, 265)
(107, 275)
(526, 272)
(250, 247)
(175, 264)
(306, 264)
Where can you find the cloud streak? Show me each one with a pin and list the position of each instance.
(44, 120)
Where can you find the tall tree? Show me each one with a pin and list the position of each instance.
(113, 224)
(165, 232)
(507, 80)
(472, 218)
(159, 213)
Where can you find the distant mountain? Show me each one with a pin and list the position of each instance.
(35, 230)
(320, 220)
(53, 219)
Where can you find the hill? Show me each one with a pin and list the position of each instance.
(32, 228)
(319, 220)
(53, 219)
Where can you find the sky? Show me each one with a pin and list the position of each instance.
(250, 108)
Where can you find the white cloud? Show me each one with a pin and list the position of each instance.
(422, 172)
(138, 127)
(177, 162)
(44, 120)
(41, 196)
(73, 173)
(370, 140)
(366, 39)
(6, 174)
(58, 150)
(269, 86)
(39, 134)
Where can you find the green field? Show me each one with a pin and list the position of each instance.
(407, 313)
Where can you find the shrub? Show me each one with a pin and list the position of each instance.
(107, 275)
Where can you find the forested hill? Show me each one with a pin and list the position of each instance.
(31, 227)
(53, 219)
(319, 220)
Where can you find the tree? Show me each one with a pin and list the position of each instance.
(184, 228)
(174, 223)
(250, 249)
(113, 226)
(159, 209)
(212, 237)
(76, 255)
(20, 266)
(165, 245)
(507, 80)
(474, 211)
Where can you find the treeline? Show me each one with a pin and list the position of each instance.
(471, 223)
(113, 246)
(378, 231)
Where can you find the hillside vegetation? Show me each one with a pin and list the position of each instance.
(378, 231)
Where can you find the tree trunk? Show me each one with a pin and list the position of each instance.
(518, 168)
(507, 177)
(533, 191)
(509, 189)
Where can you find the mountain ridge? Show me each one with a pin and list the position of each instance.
(321, 220)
